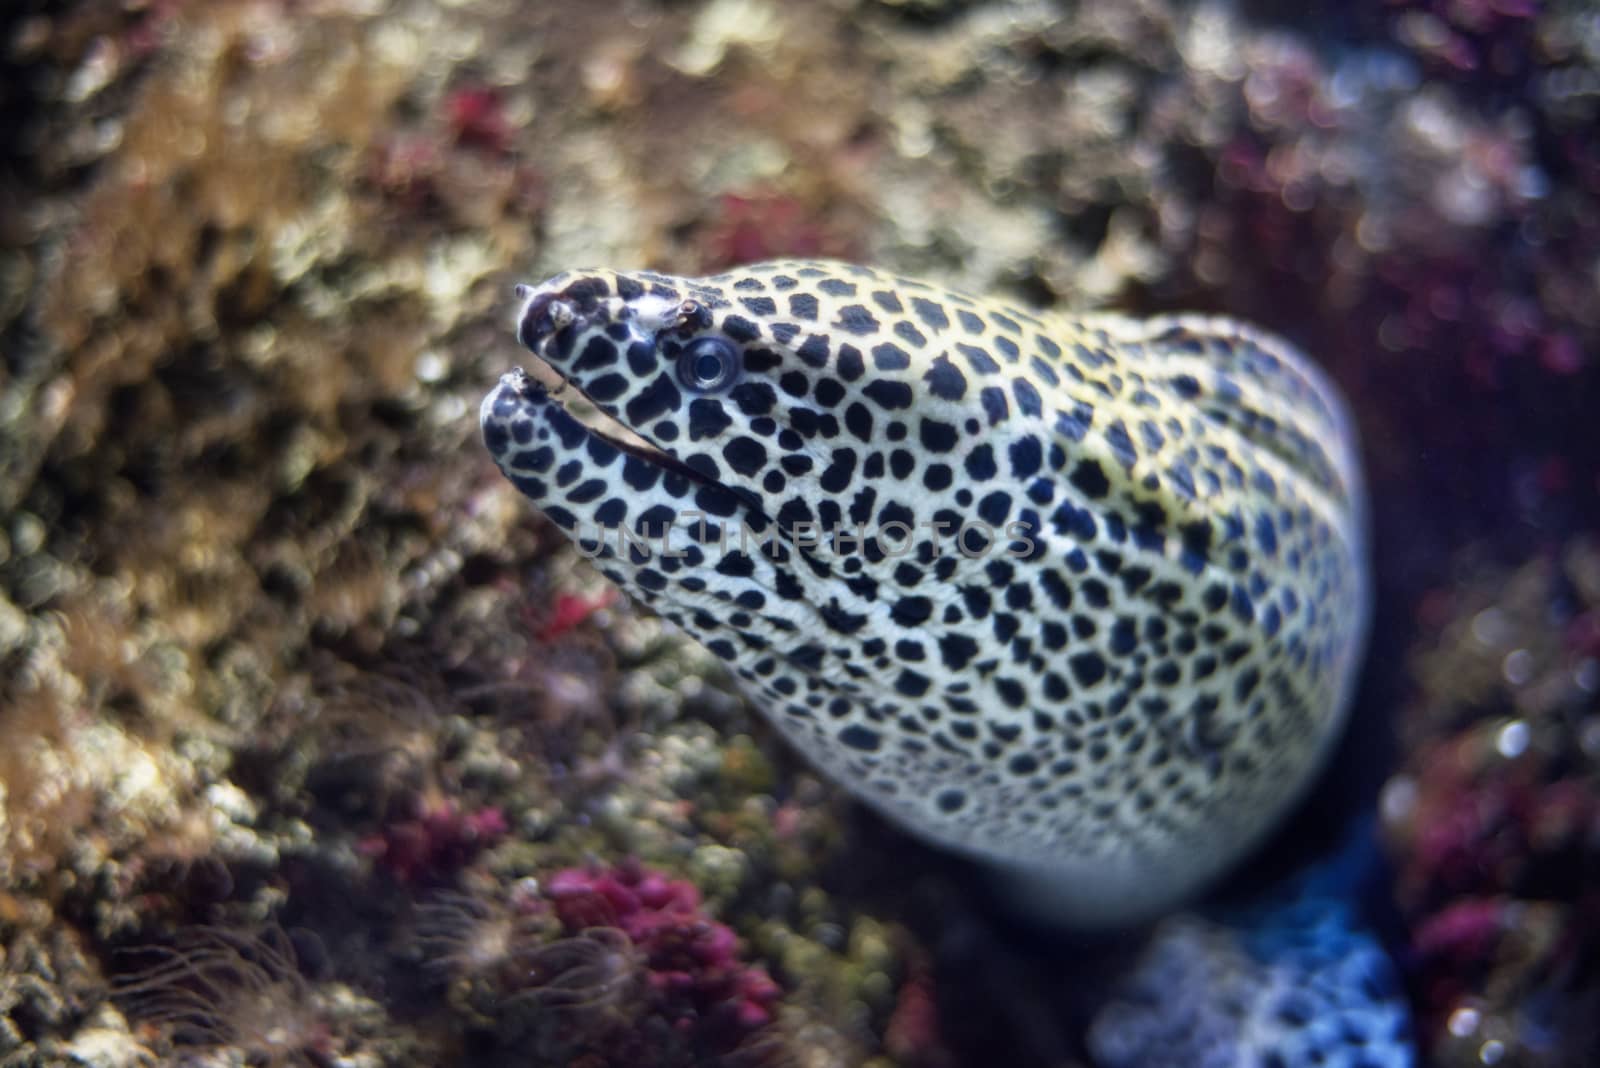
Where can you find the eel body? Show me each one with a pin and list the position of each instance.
(1081, 597)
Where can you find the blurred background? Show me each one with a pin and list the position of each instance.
(318, 746)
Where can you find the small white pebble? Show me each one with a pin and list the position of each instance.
(1512, 741)
(431, 367)
(1517, 667)
(1398, 799)
(449, 410)
(1492, 1051)
(1463, 1022)
(230, 801)
(27, 533)
(525, 895)
(1489, 627)
(1589, 736)
(1587, 675)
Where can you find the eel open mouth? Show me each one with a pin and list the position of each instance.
(553, 319)
(607, 428)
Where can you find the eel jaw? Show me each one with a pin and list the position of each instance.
(517, 388)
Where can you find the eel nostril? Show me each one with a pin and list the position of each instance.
(534, 325)
(543, 316)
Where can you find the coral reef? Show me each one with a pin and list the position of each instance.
(1294, 976)
(691, 959)
(278, 647)
(1199, 999)
(1492, 818)
(224, 989)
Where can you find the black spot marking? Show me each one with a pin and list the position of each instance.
(1027, 456)
(994, 403)
(639, 474)
(1121, 444)
(707, 418)
(888, 394)
(995, 508)
(1056, 588)
(910, 334)
(838, 474)
(745, 455)
(980, 463)
(887, 300)
(911, 611)
(1090, 480)
(598, 352)
(858, 420)
(657, 399)
(945, 380)
(932, 315)
(1028, 402)
(1124, 637)
(1088, 668)
(803, 306)
(608, 387)
(890, 357)
(911, 683)
(981, 361)
(1023, 764)
(957, 650)
(828, 392)
(858, 737)
(740, 329)
(856, 319)
(851, 365)
(837, 618)
(1011, 692)
(755, 399)
(937, 436)
(1074, 425)
(813, 351)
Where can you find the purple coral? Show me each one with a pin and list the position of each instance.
(440, 839)
(476, 116)
(692, 962)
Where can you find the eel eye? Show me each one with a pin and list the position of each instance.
(707, 364)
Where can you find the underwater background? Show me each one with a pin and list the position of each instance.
(319, 746)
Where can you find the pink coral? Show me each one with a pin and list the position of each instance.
(912, 1035)
(569, 611)
(438, 841)
(477, 119)
(692, 960)
(763, 224)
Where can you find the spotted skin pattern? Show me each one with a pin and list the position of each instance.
(1113, 687)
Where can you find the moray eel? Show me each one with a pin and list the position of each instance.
(1080, 597)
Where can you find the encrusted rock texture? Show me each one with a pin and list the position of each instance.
(318, 746)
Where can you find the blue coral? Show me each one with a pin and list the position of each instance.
(1289, 980)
